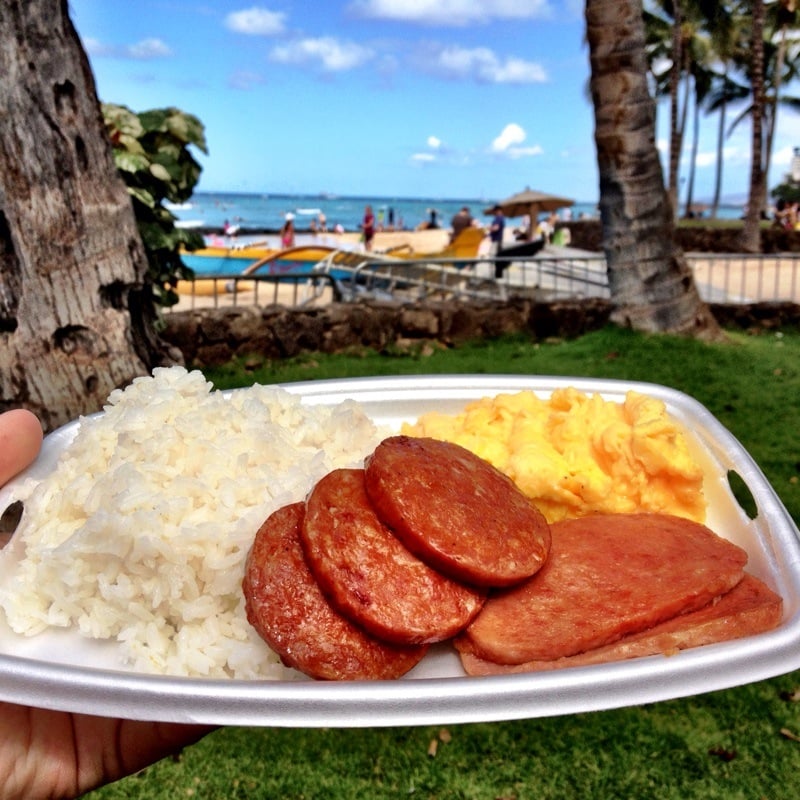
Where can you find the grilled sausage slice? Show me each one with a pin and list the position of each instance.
(285, 605)
(456, 512)
(370, 577)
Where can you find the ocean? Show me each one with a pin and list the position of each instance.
(263, 212)
(266, 212)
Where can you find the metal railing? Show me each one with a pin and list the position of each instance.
(720, 278)
(742, 278)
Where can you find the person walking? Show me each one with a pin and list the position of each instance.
(368, 228)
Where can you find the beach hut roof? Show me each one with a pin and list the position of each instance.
(530, 202)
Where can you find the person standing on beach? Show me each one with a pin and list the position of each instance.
(287, 232)
(496, 230)
(461, 219)
(368, 228)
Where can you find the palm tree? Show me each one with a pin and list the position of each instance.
(750, 239)
(782, 16)
(725, 90)
(665, 44)
(677, 35)
(727, 30)
(702, 79)
(75, 314)
(651, 284)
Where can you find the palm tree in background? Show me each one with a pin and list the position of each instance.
(701, 52)
(750, 239)
(681, 38)
(702, 81)
(729, 43)
(668, 58)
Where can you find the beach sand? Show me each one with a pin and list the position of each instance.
(423, 242)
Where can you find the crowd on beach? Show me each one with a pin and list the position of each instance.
(528, 230)
(392, 229)
(787, 215)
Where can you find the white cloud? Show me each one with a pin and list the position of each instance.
(510, 143)
(244, 80)
(330, 54)
(783, 157)
(706, 159)
(434, 142)
(256, 22)
(423, 158)
(149, 48)
(452, 13)
(94, 47)
(144, 50)
(483, 65)
(511, 135)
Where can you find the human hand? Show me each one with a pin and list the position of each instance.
(56, 754)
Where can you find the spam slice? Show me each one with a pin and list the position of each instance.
(370, 577)
(749, 608)
(456, 511)
(607, 576)
(285, 605)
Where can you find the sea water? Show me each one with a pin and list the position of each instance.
(268, 212)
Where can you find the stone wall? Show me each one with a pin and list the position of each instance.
(695, 238)
(211, 337)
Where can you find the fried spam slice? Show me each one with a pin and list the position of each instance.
(749, 608)
(607, 576)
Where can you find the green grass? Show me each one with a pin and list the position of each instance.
(724, 745)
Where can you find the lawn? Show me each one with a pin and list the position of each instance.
(737, 743)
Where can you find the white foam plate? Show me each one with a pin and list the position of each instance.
(61, 670)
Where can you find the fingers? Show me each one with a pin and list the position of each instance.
(20, 441)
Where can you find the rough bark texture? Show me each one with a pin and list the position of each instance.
(71, 260)
(652, 287)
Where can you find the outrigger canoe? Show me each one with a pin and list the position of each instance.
(304, 258)
(229, 261)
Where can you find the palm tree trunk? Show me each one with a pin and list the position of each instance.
(751, 230)
(774, 105)
(693, 160)
(652, 287)
(720, 153)
(75, 322)
(675, 128)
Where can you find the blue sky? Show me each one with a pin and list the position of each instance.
(402, 98)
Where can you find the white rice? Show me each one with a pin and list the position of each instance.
(142, 530)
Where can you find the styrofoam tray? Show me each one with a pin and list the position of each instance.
(61, 670)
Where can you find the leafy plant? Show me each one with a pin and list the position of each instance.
(152, 153)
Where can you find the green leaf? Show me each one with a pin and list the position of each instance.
(160, 172)
(151, 152)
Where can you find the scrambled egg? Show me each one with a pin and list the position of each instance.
(576, 454)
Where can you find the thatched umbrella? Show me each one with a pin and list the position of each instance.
(532, 203)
